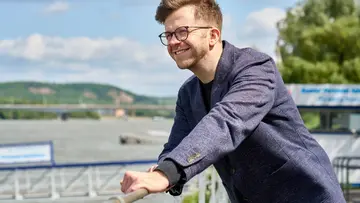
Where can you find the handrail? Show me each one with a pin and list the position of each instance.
(129, 198)
(75, 165)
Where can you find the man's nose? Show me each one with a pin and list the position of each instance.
(173, 40)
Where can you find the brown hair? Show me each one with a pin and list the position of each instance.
(207, 10)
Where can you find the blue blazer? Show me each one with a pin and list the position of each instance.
(253, 135)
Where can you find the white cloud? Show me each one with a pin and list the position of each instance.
(56, 7)
(229, 29)
(263, 22)
(37, 47)
(258, 30)
(120, 61)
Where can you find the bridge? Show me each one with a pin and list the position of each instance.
(74, 107)
(64, 109)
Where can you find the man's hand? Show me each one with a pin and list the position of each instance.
(154, 182)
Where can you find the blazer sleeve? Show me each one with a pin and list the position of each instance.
(179, 130)
(230, 121)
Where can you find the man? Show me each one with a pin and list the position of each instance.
(235, 113)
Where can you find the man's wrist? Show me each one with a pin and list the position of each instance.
(170, 170)
(162, 174)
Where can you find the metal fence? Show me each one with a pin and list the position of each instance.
(98, 180)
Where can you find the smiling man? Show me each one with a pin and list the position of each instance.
(235, 113)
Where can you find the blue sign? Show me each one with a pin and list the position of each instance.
(325, 94)
(22, 153)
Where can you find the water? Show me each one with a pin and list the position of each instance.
(77, 141)
(87, 140)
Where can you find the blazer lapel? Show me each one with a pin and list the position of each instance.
(219, 86)
(222, 70)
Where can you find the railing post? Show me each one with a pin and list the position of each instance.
(213, 185)
(62, 178)
(18, 196)
(347, 179)
(202, 187)
(91, 192)
(54, 194)
(27, 180)
(97, 176)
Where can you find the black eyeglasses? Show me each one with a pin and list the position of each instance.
(181, 33)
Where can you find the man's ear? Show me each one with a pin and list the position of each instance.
(214, 36)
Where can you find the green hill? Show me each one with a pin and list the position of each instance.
(72, 93)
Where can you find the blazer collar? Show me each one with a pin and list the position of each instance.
(225, 63)
(223, 68)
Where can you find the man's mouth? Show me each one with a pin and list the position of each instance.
(181, 51)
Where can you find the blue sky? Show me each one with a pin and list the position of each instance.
(114, 41)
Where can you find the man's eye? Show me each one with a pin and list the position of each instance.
(182, 32)
(168, 35)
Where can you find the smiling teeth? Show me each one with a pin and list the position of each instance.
(181, 51)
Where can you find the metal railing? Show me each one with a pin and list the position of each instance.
(92, 181)
(63, 180)
(344, 167)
